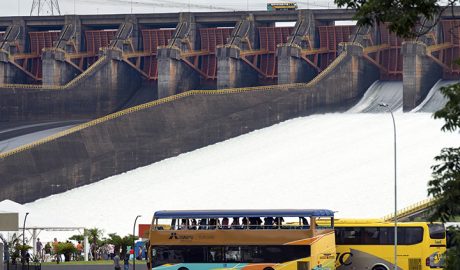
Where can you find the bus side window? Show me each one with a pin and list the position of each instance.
(215, 254)
(232, 254)
(412, 235)
(350, 236)
(371, 236)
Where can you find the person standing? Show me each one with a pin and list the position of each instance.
(39, 247)
(126, 261)
(47, 252)
(139, 253)
(55, 250)
(94, 250)
(116, 262)
(80, 252)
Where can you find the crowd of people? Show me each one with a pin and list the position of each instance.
(224, 223)
(49, 252)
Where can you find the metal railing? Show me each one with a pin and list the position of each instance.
(411, 209)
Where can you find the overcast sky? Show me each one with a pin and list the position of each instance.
(22, 7)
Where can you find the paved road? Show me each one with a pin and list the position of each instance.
(15, 136)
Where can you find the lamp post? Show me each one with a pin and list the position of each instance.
(23, 253)
(396, 187)
(134, 250)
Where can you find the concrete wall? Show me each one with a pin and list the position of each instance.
(100, 92)
(172, 126)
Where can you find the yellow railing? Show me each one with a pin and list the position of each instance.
(411, 209)
(173, 98)
(327, 70)
(70, 84)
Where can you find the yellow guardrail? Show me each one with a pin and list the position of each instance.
(411, 209)
(70, 84)
(173, 98)
(327, 70)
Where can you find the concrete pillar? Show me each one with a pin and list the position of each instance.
(21, 40)
(74, 44)
(9, 74)
(56, 71)
(86, 247)
(34, 242)
(304, 27)
(232, 71)
(356, 52)
(6, 74)
(291, 67)
(135, 33)
(174, 76)
(420, 73)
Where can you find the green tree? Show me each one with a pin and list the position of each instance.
(94, 234)
(115, 240)
(77, 237)
(453, 256)
(403, 16)
(445, 185)
(67, 249)
(127, 241)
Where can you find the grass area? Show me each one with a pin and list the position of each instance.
(100, 262)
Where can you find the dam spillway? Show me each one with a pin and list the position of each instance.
(132, 75)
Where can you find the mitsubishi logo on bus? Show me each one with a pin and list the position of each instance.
(180, 237)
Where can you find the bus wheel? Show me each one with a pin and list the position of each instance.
(183, 268)
(379, 267)
(268, 268)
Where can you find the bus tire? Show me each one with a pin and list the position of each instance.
(379, 267)
(183, 268)
(268, 268)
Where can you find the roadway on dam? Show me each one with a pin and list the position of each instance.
(13, 136)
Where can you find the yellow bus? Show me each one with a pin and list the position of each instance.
(369, 244)
(242, 239)
(281, 6)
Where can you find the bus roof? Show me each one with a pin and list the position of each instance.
(244, 213)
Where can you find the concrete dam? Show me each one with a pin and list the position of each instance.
(130, 90)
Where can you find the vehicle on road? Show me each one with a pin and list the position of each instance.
(242, 239)
(369, 244)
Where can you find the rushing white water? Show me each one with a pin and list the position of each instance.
(434, 100)
(389, 92)
(343, 162)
